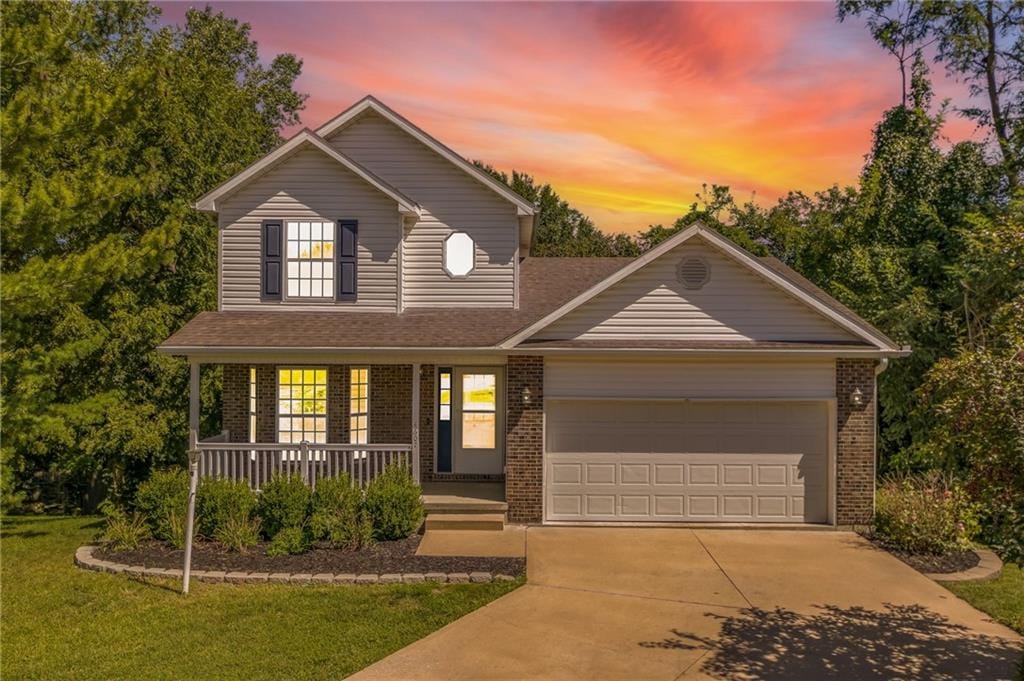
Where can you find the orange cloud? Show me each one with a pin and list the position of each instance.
(624, 108)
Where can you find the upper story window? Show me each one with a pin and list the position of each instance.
(309, 259)
(459, 254)
(310, 252)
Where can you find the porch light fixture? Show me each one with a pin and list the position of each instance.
(527, 395)
(857, 398)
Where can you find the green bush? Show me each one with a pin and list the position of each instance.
(284, 503)
(337, 514)
(219, 500)
(927, 514)
(124, 532)
(393, 504)
(290, 541)
(238, 533)
(163, 500)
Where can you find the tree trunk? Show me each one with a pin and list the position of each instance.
(998, 120)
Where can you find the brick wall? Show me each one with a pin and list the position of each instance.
(337, 403)
(235, 402)
(524, 445)
(266, 403)
(855, 452)
(428, 406)
(390, 404)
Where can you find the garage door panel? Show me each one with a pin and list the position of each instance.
(738, 466)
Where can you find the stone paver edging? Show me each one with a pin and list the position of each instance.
(988, 567)
(84, 559)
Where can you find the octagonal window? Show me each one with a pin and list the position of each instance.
(459, 254)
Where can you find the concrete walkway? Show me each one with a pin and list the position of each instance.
(712, 604)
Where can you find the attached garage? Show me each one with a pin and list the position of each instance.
(658, 442)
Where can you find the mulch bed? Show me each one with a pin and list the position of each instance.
(954, 562)
(380, 558)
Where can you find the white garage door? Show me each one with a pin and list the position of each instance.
(670, 461)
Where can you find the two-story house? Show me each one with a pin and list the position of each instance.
(378, 303)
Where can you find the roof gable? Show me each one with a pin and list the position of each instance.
(644, 299)
(369, 103)
(303, 139)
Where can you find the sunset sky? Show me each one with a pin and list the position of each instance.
(624, 108)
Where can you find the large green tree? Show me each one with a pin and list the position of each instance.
(112, 126)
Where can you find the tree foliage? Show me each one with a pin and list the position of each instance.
(112, 126)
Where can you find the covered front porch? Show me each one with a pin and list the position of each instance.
(446, 424)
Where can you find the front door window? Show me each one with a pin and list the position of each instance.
(479, 411)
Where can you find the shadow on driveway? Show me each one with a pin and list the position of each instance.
(899, 642)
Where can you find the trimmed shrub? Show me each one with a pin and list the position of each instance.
(290, 541)
(219, 500)
(163, 500)
(124, 532)
(393, 504)
(337, 514)
(284, 503)
(926, 514)
(238, 533)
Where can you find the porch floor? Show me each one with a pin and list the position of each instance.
(460, 497)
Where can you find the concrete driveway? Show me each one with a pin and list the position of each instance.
(604, 603)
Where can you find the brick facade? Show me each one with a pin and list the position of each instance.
(855, 442)
(235, 401)
(337, 403)
(524, 443)
(266, 403)
(390, 403)
(428, 406)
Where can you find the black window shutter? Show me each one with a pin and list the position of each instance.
(270, 276)
(347, 250)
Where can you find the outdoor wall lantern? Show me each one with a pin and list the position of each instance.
(527, 395)
(857, 398)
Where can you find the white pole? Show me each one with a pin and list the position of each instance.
(193, 469)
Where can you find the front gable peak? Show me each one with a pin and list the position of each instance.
(370, 103)
(699, 286)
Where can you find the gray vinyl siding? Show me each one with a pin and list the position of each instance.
(696, 378)
(735, 304)
(309, 185)
(452, 201)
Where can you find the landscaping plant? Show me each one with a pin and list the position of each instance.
(238, 533)
(283, 504)
(337, 514)
(124, 532)
(290, 541)
(219, 501)
(393, 503)
(163, 501)
(925, 514)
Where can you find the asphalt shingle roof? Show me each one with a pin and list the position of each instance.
(545, 285)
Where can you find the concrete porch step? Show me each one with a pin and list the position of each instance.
(433, 505)
(466, 521)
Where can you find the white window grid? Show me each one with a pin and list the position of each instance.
(302, 405)
(309, 247)
(359, 406)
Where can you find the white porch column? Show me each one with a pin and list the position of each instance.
(416, 422)
(193, 467)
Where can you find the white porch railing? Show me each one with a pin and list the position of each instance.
(256, 463)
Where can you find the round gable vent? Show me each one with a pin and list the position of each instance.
(693, 272)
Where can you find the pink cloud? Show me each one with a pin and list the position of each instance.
(625, 108)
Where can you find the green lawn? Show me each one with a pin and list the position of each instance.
(57, 621)
(1003, 598)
